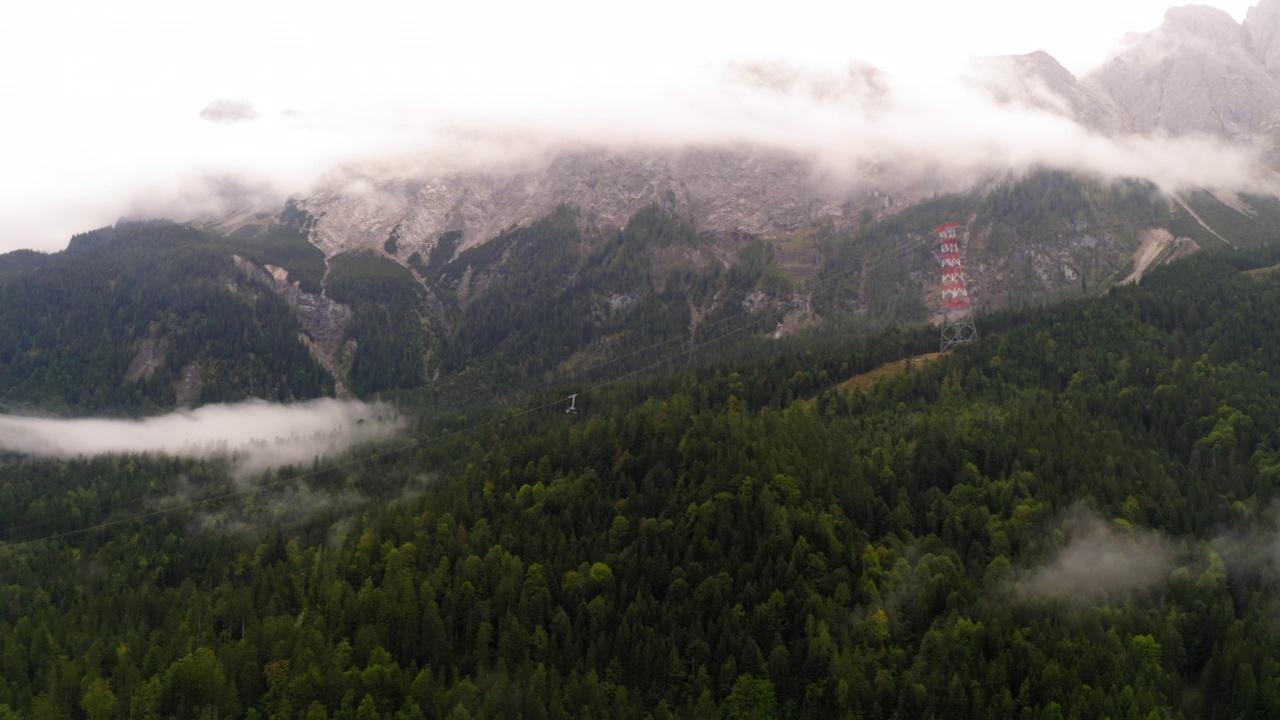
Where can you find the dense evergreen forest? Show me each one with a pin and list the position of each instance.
(128, 316)
(1072, 518)
(653, 283)
(386, 324)
(77, 327)
(142, 317)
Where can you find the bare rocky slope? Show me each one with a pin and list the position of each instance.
(756, 191)
(1199, 73)
(1038, 81)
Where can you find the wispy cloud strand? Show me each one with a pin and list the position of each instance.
(1101, 562)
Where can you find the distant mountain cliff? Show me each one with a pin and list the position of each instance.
(514, 273)
(1198, 72)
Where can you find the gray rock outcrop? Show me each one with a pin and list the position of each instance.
(1196, 73)
(724, 190)
(1039, 82)
(323, 319)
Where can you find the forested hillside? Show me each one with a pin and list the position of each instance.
(127, 319)
(541, 303)
(1071, 518)
(387, 322)
(143, 317)
(140, 317)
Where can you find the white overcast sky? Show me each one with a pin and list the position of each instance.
(100, 101)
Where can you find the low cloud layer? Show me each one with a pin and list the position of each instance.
(332, 89)
(855, 124)
(1102, 562)
(225, 111)
(259, 435)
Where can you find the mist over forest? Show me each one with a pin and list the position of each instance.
(258, 435)
(598, 361)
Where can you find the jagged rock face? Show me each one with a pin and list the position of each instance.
(1197, 72)
(1200, 72)
(150, 357)
(757, 192)
(323, 319)
(1262, 23)
(1158, 246)
(1040, 82)
(188, 386)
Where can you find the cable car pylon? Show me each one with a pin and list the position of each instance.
(957, 320)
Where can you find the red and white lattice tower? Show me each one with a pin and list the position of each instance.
(957, 325)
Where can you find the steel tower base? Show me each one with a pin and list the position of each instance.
(957, 332)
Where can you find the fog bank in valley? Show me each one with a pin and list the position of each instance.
(257, 434)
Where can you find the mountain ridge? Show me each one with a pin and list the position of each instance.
(527, 272)
(1199, 74)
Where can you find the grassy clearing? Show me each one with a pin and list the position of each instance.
(1262, 271)
(887, 370)
(871, 377)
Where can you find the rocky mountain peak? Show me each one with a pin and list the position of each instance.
(1037, 80)
(1042, 65)
(1262, 25)
(1198, 73)
(1202, 24)
(1195, 73)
